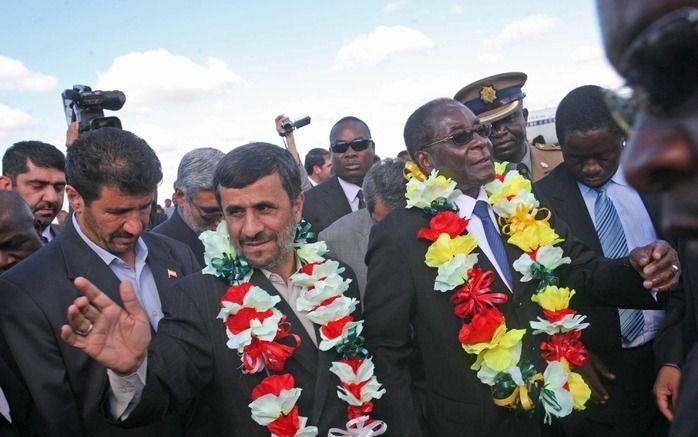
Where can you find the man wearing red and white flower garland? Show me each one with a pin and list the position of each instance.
(408, 305)
(267, 363)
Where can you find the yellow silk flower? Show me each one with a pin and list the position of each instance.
(500, 167)
(420, 194)
(535, 236)
(497, 353)
(553, 298)
(444, 248)
(578, 388)
(513, 183)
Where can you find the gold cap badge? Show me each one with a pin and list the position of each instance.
(488, 94)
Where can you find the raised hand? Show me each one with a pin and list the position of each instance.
(116, 337)
(658, 264)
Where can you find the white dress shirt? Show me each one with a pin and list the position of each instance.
(638, 230)
(4, 406)
(351, 192)
(466, 205)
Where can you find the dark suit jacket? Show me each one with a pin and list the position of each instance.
(602, 337)
(324, 204)
(17, 397)
(174, 227)
(400, 300)
(66, 386)
(189, 356)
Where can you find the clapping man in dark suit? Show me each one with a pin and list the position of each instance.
(352, 155)
(402, 307)
(197, 210)
(576, 190)
(36, 171)
(258, 188)
(112, 175)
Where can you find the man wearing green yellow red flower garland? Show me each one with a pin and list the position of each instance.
(267, 335)
(478, 277)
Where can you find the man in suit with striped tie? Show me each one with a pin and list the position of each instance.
(588, 191)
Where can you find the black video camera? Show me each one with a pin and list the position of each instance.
(290, 126)
(87, 107)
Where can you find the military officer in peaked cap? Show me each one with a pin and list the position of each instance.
(498, 100)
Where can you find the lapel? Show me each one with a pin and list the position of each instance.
(80, 260)
(336, 199)
(165, 267)
(306, 354)
(568, 203)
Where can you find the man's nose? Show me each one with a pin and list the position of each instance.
(657, 155)
(133, 224)
(49, 194)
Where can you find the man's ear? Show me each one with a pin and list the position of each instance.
(525, 114)
(75, 199)
(423, 160)
(5, 183)
(297, 207)
(179, 198)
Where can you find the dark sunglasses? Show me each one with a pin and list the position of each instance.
(358, 145)
(660, 65)
(465, 136)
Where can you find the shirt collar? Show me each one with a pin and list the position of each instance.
(617, 178)
(466, 204)
(350, 190)
(47, 233)
(271, 275)
(105, 255)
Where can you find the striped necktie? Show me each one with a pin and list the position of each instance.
(612, 238)
(494, 240)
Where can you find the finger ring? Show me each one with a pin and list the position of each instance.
(675, 268)
(86, 332)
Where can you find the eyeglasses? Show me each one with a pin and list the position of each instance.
(660, 65)
(207, 214)
(464, 136)
(358, 145)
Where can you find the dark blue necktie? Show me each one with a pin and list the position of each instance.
(494, 240)
(612, 237)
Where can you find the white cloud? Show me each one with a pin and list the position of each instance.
(12, 120)
(158, 76)
(457, 9)
(393, 7)
(14, 75)
(372, 48)
(490, 58)
(586, 53)
(533, 25)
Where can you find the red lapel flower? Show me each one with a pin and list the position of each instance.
(273, 384)
(482, 326)
(241, 321)
(443, 222)
(567, 346)
(285, 426)
(236, 293)
(476, 294)
(334, 329)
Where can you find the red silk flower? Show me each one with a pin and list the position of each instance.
(443, 222)
(364, 410)
(476, 294)
(308, 268)
(556, 316)
(273, 354)
(273, 384)
(285, 426)
(334, 329)
(482, 326)
(241, 321)
(236, 293)
(567, 346)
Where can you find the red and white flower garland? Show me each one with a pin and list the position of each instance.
(260, 333)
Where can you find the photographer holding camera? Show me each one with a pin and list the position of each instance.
(285, 128)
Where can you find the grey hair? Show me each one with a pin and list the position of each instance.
(196, 169)
(385, 182)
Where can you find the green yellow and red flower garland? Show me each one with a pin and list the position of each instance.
(259, 332)
(515, 382)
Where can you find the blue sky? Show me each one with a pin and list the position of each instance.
(216, 75)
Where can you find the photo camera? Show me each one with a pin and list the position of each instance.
(87, 107)
(290, 126)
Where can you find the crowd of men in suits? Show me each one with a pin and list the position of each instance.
(109, 327)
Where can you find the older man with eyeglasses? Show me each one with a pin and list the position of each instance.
(352, 156)
(197, 210)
